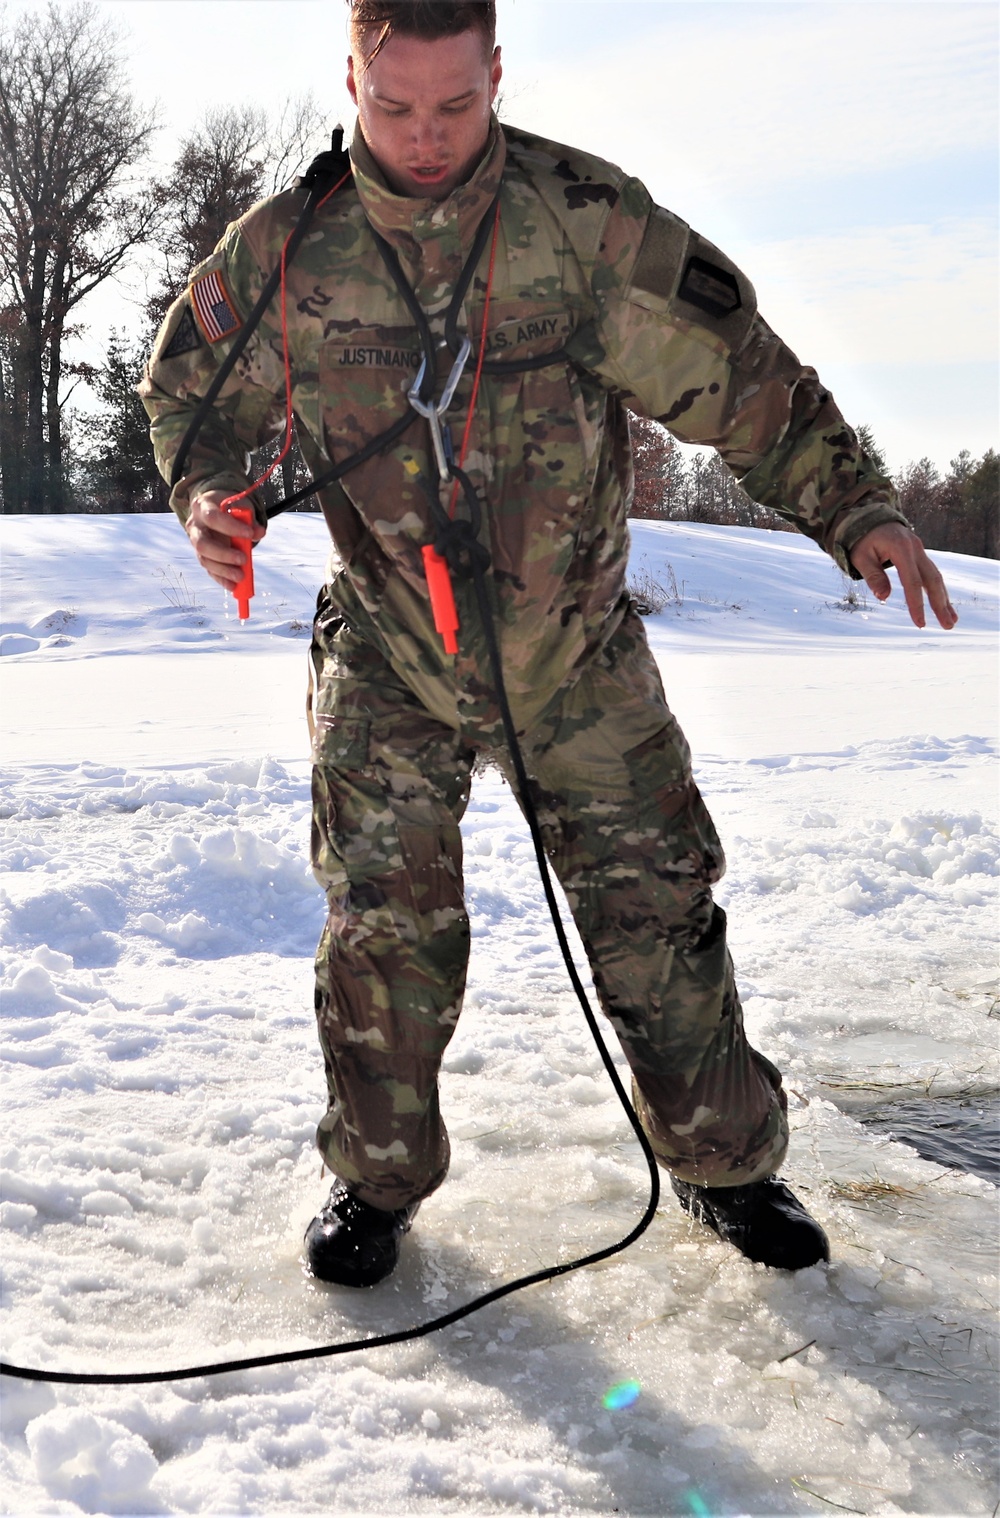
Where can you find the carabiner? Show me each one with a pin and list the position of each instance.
(440, 439)
(448, 393)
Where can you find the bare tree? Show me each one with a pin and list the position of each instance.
(921, 499)
(959, 513)
(702, 489)
(217, 175)
(235, 156)
(658, 469)
(12, 417)
(70, 133)
(232, 159)
(719, 497)
(293, 139)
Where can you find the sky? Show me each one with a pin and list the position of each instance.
(845, 155)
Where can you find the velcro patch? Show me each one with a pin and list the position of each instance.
(185, 338)
(663, 247)
(709, 288)
(213, 307)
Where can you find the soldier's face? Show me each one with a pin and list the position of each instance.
(424, 109)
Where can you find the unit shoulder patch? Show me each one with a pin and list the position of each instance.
(682, 276)
(185, 337)
(213, 306)
(710, 288)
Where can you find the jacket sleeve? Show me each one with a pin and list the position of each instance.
(192, 342)
(678, 329)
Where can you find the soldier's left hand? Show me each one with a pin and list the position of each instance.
(896, 544)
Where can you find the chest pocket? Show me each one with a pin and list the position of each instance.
(364, 374)
(525, 329)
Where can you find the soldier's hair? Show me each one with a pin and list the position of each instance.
(373, 22)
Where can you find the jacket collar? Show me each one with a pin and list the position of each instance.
(403, 219)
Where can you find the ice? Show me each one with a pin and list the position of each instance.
(162, 1082)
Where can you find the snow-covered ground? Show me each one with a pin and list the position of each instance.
(162, 1081)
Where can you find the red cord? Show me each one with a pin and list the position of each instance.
(436, 568)
(479, 363)
(232, 499)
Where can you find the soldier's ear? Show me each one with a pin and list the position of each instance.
(496, 74)
(352, 88)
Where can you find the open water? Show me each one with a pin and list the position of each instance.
(962, 1132)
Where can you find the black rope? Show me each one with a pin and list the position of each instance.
(375, 445)
(403, 1336)
(458, 541)
(242, 338)
(391, 434)
(454, 341)
(376, 1341)
(390, 258)
(321, 175)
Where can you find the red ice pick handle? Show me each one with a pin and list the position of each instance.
(244, 590)
(442, 597)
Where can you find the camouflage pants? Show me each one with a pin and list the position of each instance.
(631, 841)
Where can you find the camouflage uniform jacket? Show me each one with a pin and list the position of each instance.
(648, 313)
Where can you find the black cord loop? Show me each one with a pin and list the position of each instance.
(321, 175)
(459, 543)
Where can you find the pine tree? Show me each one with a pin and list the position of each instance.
(118, 471)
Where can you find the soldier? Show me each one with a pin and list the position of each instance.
(576, 294)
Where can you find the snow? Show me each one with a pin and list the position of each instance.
(162, 1082)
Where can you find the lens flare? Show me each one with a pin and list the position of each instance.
(621, 1395)
(697, 1504)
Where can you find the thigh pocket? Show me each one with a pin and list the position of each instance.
(595, 737)
(341, 743)
(660, 763)
(671, 822)
(355, 839)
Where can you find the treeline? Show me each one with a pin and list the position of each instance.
(77, 207)
(959, 513)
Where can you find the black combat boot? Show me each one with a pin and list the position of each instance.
(765, 1221)
(352, 1243)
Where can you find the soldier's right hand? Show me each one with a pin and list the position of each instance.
(212, 530)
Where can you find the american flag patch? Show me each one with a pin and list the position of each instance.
(212, 306)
